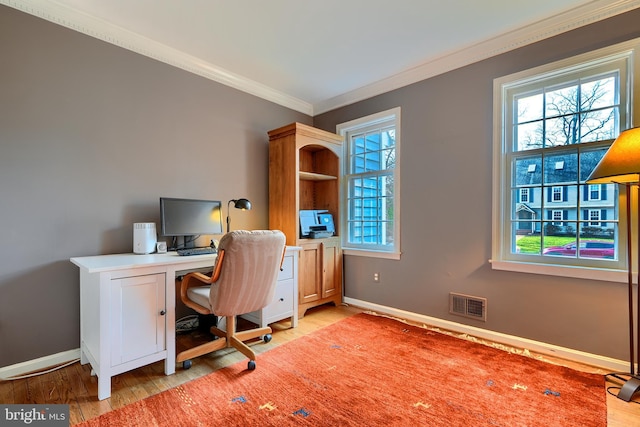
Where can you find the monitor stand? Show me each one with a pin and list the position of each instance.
(189, 241)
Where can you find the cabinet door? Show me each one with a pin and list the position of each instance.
(137, 317)
(332, 269)
(310, 273)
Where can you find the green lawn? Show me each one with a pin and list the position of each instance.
(532, 244)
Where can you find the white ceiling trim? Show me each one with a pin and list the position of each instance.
(94, 27)
(113, 34)
(569, 20)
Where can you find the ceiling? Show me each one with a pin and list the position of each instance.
(314, 56)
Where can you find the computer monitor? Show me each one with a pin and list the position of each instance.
(190, 218)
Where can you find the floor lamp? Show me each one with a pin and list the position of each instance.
(621, 165)
(242, 204)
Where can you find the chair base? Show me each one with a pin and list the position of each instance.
(228, 338)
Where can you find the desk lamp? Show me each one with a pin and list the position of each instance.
(621, 165)
(242, 204)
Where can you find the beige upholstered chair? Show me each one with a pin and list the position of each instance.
(243, 280)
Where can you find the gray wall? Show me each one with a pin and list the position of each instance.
(91, 135)
(446, 197)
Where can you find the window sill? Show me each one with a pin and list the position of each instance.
(370, 253)
(609, 275)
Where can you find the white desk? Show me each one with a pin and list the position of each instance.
(127, 309)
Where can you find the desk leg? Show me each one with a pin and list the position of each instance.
(104, 387)
(170, 326)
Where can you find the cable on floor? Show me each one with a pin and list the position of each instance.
(34, 374)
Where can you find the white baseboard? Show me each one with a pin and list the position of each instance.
(39, 364)
(598, 361)
(607, 363)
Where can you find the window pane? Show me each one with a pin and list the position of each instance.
(589, 160)
(529, 136)
(560, 239)
(529, 108)
(598, 242)
(528, 171)
(561, 101)
(527, 238)
(561, 168)
(371, 210)
(599, 93)
(388, 138)
(561, 131)
(599, 125)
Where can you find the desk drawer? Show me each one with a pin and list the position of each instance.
(287, 268)
(282, 304)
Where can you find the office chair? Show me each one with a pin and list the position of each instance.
(243, 280)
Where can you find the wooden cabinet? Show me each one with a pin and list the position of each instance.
(323, 259)
(304, 174)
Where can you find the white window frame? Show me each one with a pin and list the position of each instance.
(394, 251)
(503, 258)
(557, 195)
(595, 188)
(557, 216)
(524, 195)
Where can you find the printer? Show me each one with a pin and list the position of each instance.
(316, 224)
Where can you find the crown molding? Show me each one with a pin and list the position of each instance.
(591, 12)
(83, 23)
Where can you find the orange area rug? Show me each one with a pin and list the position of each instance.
(367, 370)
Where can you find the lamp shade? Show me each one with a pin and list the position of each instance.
(621, 163)
(243, 204)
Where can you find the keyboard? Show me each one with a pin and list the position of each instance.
(196, 251)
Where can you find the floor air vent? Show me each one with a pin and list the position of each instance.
(468, 306)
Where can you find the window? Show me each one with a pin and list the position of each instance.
(557, 217)
(372, 185)
(553, 124)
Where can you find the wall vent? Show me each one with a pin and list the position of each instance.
(468, 306)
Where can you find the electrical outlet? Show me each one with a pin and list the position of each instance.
(376, 277)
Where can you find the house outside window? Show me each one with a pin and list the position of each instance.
(371, 194)
(553, 124)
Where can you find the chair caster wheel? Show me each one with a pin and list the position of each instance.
(267, 338)
(251, 365)
(186, 364)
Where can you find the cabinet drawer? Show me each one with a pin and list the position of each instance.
(287, 269)
(282, 305)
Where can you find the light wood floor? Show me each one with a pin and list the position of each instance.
(75, 386)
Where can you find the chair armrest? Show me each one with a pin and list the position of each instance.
(198, 279)
(284, 252)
